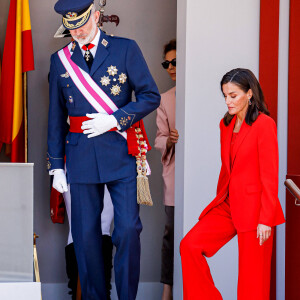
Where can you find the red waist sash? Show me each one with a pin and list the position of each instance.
(132, 141)
(76, 123)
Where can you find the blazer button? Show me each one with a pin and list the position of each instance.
(67, 142)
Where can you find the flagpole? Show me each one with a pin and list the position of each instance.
(25, 116)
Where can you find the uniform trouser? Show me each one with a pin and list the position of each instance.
(167, 251)
(87, 204)
(212, 232)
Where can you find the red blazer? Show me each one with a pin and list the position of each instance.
(252, 183)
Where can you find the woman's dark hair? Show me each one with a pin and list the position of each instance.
(246, 80)
(169, 47)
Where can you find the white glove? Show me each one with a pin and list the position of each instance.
(60, 181)
(99, 124)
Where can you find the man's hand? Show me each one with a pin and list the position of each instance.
(263, 233)
(99, 124)
(173, 138)
(60, 181)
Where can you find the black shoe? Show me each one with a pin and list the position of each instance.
(72, 270)
(107, 249)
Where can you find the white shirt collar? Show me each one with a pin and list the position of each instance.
(95, 42)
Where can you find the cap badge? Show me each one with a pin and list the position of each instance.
(71, 15)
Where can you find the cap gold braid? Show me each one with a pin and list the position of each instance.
(83, 18)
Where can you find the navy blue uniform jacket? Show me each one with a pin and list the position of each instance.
(102, 158)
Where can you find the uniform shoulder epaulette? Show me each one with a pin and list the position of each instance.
(119, 37)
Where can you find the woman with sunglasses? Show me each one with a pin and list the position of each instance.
(166, 139)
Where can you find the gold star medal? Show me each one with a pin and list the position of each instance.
(112, 70)
(115, 90)
(105, 80)
(122, 78)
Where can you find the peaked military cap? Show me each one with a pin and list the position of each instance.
(75, 13)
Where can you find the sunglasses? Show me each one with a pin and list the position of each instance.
(166, 63)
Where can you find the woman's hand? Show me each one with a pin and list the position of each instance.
(173, 138)
(263, 233)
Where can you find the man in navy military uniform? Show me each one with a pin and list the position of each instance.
(91, 84)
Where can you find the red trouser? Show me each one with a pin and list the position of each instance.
(211, 233)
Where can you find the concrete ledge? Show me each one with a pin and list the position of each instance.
(20, 290)
(59, 291)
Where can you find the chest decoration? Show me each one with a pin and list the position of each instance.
(65, 75)
(122, 78)
(115, 89)
(112, 70)
(105, 80)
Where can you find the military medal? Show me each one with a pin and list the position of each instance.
(105, 80)
(112, 70)
(115, 90)
(122, 78)
(87, 54)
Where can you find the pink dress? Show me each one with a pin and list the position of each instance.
(165, 121)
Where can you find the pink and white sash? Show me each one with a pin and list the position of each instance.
(87, 86)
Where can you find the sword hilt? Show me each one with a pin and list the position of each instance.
(111, 19)
(35, 236)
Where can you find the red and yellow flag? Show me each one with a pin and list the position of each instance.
(17, 59)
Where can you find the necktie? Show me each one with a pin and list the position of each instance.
(88, 56)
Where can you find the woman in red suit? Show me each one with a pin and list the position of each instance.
(247, 196)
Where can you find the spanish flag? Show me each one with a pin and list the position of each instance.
(17, 60)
